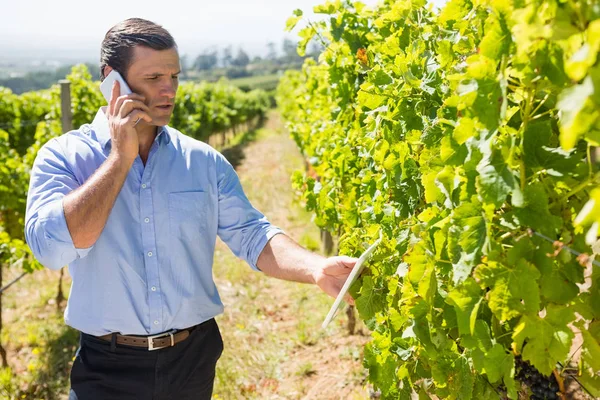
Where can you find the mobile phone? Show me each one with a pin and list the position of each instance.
(354, 274)
(107, 83)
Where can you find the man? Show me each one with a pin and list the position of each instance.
(134, 207)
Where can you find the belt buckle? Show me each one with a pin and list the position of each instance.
(160, 335)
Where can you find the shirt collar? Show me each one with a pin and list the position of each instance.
(100, 127)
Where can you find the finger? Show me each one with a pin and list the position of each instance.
(340, 265)
(134, 116)
(123, 99)
(347, 260)
(113, 97)
(337, 270)
(130, 105)
(349, 299)
(134, 96)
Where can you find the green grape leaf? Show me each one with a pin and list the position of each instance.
(451, 153)
(432, 192)
(467, 237)
(536, 214)
(461, 380)
(371, 299)
(466, 299)
(381, 366)
(370, 99)
(591, 344)
(548, 338)
(397, 320)
(330, 7)
(591, 383)
(498, 363)
(455, 10)
(428, 285)
(422, 331)
(290, 24)
(556, 284)
(483, 390)
(579, 63)
(465, 128)
(577, 112)
(306, 33)
(496, 179)
(514, 290)
(538, 153)
(497, 39)
(445, 55)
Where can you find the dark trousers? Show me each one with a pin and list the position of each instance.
(102, 370)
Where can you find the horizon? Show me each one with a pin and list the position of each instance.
(48, 34)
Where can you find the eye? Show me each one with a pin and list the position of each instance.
(175, 77)
(153, 78)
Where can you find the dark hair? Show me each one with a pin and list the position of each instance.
(119, 41)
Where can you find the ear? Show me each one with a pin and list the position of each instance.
(107, 70)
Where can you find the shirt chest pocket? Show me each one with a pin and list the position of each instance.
(187, 214)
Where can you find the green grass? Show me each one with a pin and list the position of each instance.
(265, 82)
(39, 344)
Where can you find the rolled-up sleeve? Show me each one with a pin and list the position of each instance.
(46, 230)
(244, 229)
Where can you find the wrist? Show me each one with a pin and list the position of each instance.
(121, 160)
(317, 271)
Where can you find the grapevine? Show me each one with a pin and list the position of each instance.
(466, 136)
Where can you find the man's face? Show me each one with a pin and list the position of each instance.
(154, 74)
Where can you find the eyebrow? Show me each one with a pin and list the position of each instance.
(159, 74)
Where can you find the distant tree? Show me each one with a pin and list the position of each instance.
(184, 61)
(272, 54)
(241, 60)
(236, 72)
(206, 61)
(37, 80)
(289, 48)
(256, 59)
(290, 52)
(314, 49)
(62, 72)
(227, 56)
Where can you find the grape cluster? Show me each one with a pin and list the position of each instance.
(542, 387)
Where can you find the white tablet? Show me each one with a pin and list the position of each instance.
(355, 273)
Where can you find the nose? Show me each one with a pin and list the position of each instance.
(169, 90)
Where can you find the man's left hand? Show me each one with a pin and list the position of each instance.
(331, 275)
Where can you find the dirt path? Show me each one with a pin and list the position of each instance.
(275, 348)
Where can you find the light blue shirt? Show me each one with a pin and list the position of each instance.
(150, 270)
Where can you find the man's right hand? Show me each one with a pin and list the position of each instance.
(123, 114)
(88, 206)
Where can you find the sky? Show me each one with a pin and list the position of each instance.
(62, 27)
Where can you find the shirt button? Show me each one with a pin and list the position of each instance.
(149, 254)
(154, 288)
(147, 220)
(155, 322)
(143, 186)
